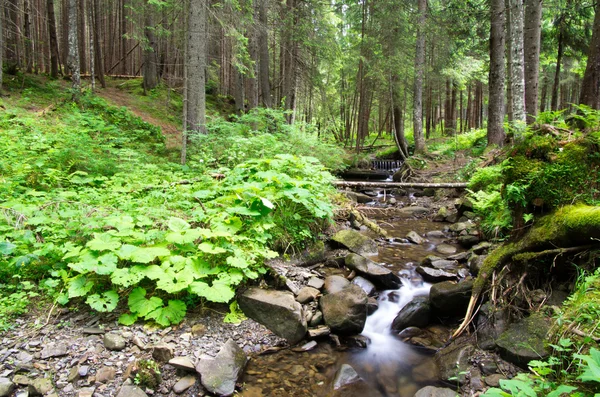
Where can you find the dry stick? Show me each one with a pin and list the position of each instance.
(393, 185)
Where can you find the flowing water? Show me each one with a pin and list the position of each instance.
(389, 367)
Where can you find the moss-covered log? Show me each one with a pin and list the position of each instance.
(570, 226)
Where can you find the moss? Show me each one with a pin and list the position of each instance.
(148, 374)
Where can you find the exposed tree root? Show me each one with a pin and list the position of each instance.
(565, 231)
(368, 223)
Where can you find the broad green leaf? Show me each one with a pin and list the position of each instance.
(104, 242)
(267, 203)
(243, 211)
(218, 292)
(79, 286)
(177, 224)
(148, 254)
(153, 272)
(562, 389)
(185, 237)
(210, 248)
(128, 319)
(7, 248)
(237, 261)
(139, 304)
(125, 251)
(125, 277)
(107, 302)
(173, 313)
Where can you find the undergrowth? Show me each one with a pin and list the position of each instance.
(92, 211)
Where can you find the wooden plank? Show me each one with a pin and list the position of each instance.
(394, 185)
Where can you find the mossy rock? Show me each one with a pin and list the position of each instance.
(524, 341)
(356, 242)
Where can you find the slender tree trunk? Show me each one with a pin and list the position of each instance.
(54, 65)
(517, 77)
(590, 88)
(263, 47)
(495, 129)
(98, 52)
(90, 15)
(559, 55)
(28, 38)
(509, 64)
(73, 58)
(532, 36)
(1, 42)
(81, 36)
(195, 66)
(418, 85)
(238, 91)
(150, 49)
(544, 98)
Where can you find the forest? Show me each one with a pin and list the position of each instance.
(325, 198)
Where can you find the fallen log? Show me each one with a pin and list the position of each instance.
(395, 185)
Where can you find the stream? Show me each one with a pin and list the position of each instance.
(387, 366)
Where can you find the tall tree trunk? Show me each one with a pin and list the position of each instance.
(150, 49)
(531, 39)
(28, 38)
(54, 62)
(544, 99)
(509, 63)
(263, 48)
(517, 77)
(12, 33)
(447, 101)
(195, 65)
(73, 58)
(98, 52)
(1, 42)
(81, 36)
(559, 55)
(238, 91)
(495, 129)
(590, 88)
(418, 85)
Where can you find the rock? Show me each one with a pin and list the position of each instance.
(315, 282)
(491, 322)
(372, 271)
(460, 257)
(493, 380)
(415, 314)
(365, 284)
(6, 387)
(345, 312)
(372, 305)
(54, 350)
(452, 218)
(40, 387)
(162, 352)
(463, 204)
(345, 376)
(131, 391)
(307, 294)
(92, 331)
(413, 211)
(443, 264)
(183, 363)
(83, 370)
(449, 299)
(306, 347)
(415, 238)
(524, 341)
(198, 329)
(453, 361)
(410, 332)
(322, 330)
(220, 374)
(184, 383)
(316, 319)
(441, 215)
(430, 391)
(276, 310)
(476, 382)
(446, 249)
(86, 391)
(435, 275)
(435, 234)
(481, 248)
(475, 263)
(467, 241)
(357, 197)
(105, 374)
(73, 374)
(21, 380)
(429, 259)
(114, 342)
(356, 242)
(335, 284)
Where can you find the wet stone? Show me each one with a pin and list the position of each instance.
(345, 376)
(482, 248)
(415, 238)
(445, 249)
(307, 294)
(315, 282)
(365, 284)
(467, 241)
(444, 264)
(335, 284)
(460, 257)
(316, 319)
(435, 275)
(436, 234)
(431, 391)
(183, 363)
(493, 380)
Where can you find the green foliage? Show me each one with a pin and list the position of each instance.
(147, 374)
(487, 179)
(88, 208)
(473, 141)
(14, 300)
(496, 219)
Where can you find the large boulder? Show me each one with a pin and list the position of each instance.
(415, 314)
(453, 361)
(335, 284)
(372, 271)
(356, 242)
(345, 312)
(220, 374)
(450, 299)
(365, 284)
(276, 310)
(524, 341)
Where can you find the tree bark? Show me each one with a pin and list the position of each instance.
(418, 85)
(508, 73)
(532, 36)
(195, 66)
(559, 55)
(263, 48)
(150, 61)
(1, 42)
(98, 52)
(393, 185)
(590, 88)
(517, 77)
(28, 38)
(495, 128)
(73, 58)
(54, 63)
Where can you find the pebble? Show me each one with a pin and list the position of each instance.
(6, 387)
(184, 383)
(105, 374)
(53, 350)
(162, 352)
(183, 363)
(114, 342)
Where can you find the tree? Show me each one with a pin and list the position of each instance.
(54, 65)
(1, 43)
(150, 60)
(195, 65)
(418, 91)
(517, 77)
(590, 90)
(531, 39)
(495, 129)
(263, 48)
(73, 58)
